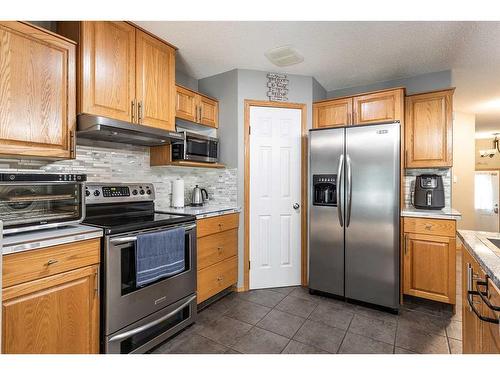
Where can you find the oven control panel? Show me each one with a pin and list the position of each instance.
(116, 193)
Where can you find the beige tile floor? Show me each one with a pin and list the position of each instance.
(291, 321)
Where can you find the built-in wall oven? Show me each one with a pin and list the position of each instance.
(196, 147)
(135, 317)
(31, 201)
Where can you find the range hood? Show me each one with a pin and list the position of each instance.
(102, 128)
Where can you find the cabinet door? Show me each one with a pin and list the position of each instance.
(490, 333)
(37, 92)
(428, 130)
(378, 107)
(155, 80)
(56, 314)
(108, 69)
(186, 104)
(333, 113)
(471, 325)
(429, 267)
(209, 112)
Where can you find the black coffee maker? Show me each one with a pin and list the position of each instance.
(429, 192)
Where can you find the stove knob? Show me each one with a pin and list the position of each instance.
(141, 192)
(134, 192)
(87, 193)
(97, 193)
(148, 192)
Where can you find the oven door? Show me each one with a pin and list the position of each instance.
(147, 333)
(125, 302)
(200, 149)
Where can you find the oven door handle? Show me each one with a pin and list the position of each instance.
(122, 240)
(132, 332)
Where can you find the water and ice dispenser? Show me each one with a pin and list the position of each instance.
(325, 190)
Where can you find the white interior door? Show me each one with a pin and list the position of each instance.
(486, 201)
(275, 187)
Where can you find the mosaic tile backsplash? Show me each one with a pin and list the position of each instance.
(126, 163)
(409, 183)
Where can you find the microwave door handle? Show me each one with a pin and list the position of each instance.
(132, 332)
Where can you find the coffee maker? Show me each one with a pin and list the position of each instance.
(429, 192)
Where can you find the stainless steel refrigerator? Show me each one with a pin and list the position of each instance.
(354, 212)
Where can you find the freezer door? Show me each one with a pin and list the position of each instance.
(372, 214)
(326, 235)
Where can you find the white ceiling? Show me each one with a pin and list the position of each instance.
(346, 54)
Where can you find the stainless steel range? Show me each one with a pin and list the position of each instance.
(136, 317)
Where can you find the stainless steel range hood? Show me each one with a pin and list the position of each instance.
(102, 128)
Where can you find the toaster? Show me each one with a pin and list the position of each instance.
(429, 192)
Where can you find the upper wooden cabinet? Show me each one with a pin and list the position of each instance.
(332, 113)
(195, 107)
(124, 73)
(370, 108)
(378, 107)
(37, 92)
(428, 130)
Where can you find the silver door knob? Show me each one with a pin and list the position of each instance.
(296, 205)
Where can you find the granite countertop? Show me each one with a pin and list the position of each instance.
(445, 213)
(17, 242)
(486, 254)
(208, 210)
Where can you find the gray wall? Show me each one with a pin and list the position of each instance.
(416, 84)
(185, 80)
(232, 88)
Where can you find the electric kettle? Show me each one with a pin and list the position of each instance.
(197, 198)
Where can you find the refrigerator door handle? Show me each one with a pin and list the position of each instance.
(339, 184)
(348, 191)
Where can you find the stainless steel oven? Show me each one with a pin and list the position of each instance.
(196, 147)
(133, 314)
(37, 201)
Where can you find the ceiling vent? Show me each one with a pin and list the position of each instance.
(284, 56)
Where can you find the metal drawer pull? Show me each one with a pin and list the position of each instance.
(428, 226)
(484, 297)
(52, 261)
(145, 327)
(220, 249)
(220, 278)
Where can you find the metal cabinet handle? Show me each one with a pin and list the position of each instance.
(220, 278)
(219, 249)
(199, 118)
(52, 261)
(132, 105)
(428, 226)
(406, 244)
(145, 327)
(339, 184)
(72, 142)
(139, 112)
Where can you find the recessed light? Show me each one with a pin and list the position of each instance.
(284, 56)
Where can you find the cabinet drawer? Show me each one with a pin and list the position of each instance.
(213, 279)
(438, 227)
(217, 224)
(217, 247)
(35, 264)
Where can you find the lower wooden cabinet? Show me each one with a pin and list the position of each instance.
(56, 314)
(429, 260)
(479, 337)
(217, 258)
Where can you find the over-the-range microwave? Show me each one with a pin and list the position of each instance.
(196, 147)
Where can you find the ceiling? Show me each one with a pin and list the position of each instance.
(347, 54)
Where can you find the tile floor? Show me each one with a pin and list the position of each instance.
(291, 321)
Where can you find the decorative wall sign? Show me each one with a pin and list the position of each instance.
(278, 87)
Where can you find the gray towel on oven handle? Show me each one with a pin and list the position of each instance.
(159, 254)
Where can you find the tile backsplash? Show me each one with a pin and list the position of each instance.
(410, 177)
(126, 163)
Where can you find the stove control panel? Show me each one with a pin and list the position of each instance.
(96, 193)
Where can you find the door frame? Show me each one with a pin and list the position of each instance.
(304, 165)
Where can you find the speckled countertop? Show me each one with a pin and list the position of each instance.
(17, 242)
(208, 210)
(445, 213)
(486, 254)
